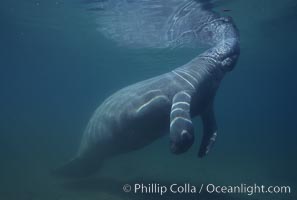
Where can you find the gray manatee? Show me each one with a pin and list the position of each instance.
(137, 115)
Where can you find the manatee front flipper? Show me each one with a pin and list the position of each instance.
(209, 131)
(181, 127)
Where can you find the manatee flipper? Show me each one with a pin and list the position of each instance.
(181, 127)
(209, 131)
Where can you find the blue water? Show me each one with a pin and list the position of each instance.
(56, 69)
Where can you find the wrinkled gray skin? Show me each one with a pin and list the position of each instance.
(137, 115)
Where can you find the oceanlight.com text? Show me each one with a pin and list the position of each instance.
(188, 188)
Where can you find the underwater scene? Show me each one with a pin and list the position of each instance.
(222, 70)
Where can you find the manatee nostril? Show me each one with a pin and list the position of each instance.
(182, 142)
(186, 135)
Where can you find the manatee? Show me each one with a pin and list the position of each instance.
(139, 114)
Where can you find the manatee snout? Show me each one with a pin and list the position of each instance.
(182, 141)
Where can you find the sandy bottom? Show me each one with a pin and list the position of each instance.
(28, 177)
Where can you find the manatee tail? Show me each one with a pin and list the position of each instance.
(77, 168)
